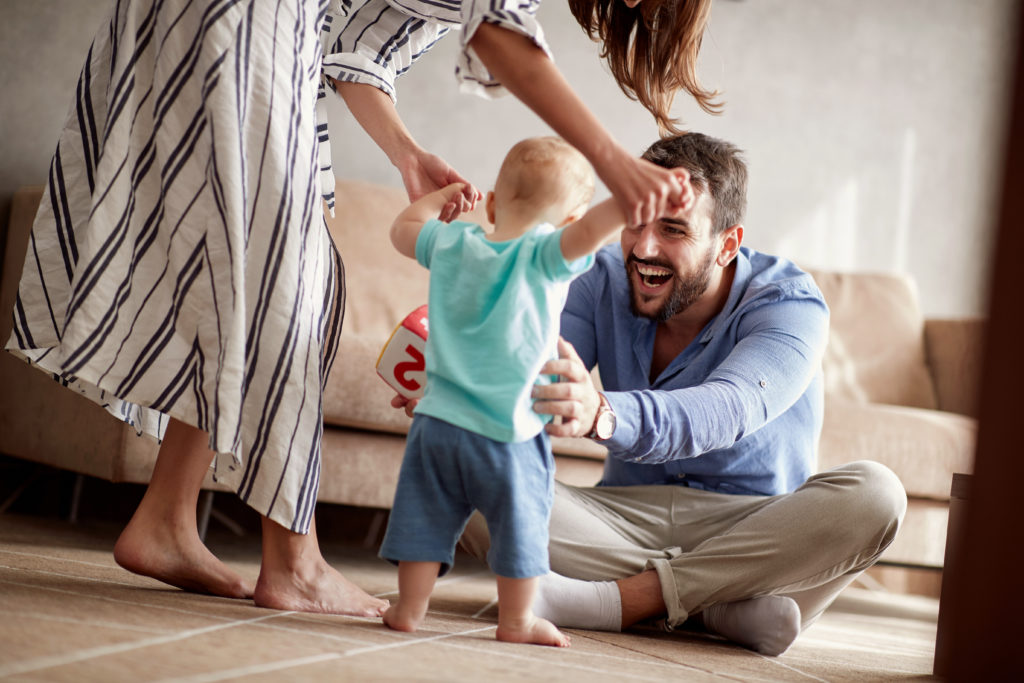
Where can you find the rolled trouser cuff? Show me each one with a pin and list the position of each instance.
(676, 615)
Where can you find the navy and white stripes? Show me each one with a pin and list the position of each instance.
(377, 40)
(179, 264)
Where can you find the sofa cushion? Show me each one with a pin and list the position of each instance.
(923, 447)
(876, 339)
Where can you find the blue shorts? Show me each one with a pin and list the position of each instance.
(448, 472)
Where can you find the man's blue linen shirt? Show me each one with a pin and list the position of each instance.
(739, 410)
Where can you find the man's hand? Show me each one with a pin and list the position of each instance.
(409, 404)
(574, 398)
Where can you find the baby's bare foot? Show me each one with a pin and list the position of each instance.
(401, 618)
(178, 559)
(532, 630)
(319, 588)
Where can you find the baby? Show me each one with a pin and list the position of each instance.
(475, 442)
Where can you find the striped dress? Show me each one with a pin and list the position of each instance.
(180, 264)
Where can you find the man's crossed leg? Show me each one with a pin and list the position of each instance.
(756, 570)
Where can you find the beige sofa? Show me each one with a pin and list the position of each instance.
(900, 389)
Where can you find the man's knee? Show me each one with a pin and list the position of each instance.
(871, 497)
(883, 489)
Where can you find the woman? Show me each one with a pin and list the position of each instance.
(180, 271)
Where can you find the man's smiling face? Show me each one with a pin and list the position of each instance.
(670, 263)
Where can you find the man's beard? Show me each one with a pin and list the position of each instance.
(685, 290)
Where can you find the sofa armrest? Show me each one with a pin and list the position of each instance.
(954, 349)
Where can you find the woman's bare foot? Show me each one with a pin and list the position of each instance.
(176, 557)
(314, 588)
(402, 617)
(295, 576)
(532, 630)
(161, 540)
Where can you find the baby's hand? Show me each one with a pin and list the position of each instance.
(455, 202)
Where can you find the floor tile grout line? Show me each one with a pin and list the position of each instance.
(202, 614)
(648, 659)
(575, 665)
(212, 676)
(50, 661)
(209, 677)
(262, 620)
(118, 601)
(415, 641)
(486, 607)
(777, 662)
(658, 660)
(188, 612)
(643, 658)
(317, 634)
(94, 579)
(195, 613)
(61, 559)
(163, 607)
(83, 622)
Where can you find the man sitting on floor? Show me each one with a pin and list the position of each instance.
(709, 510)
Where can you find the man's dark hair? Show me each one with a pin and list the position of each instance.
(715, 166)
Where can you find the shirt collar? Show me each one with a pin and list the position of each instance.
(740, 280)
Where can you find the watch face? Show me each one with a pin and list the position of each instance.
(605, 426)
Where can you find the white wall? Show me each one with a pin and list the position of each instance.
(873, 129)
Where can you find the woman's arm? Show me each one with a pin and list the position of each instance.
(422, 172)
(643, 190)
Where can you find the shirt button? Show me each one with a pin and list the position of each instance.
(763, 383)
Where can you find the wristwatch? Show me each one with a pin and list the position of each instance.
(604, 421)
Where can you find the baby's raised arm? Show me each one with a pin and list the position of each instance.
(406, 227)
(593, 230)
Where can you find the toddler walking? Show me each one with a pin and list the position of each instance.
(475, 442)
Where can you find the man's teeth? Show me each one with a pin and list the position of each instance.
(653, 276)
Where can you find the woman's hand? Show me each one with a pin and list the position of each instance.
(424, 173)
(644, 191)
(574, 397)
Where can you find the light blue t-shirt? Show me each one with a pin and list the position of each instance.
(494, 311)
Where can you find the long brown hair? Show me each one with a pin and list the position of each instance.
(651, 50)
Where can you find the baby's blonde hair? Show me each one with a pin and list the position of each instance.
(546, 171)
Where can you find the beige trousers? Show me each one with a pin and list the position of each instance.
(710, 548)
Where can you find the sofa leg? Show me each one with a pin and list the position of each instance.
(232, 526)
(370, 540)
(76, 498)
(29, 480)
(203, 518)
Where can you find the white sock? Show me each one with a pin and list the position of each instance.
(768, 625)
(573, 603)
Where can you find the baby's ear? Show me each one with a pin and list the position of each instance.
(489, 207)
(574, 215)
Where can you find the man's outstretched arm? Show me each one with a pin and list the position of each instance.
(768, 370)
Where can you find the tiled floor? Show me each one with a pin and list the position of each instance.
(68, 613)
